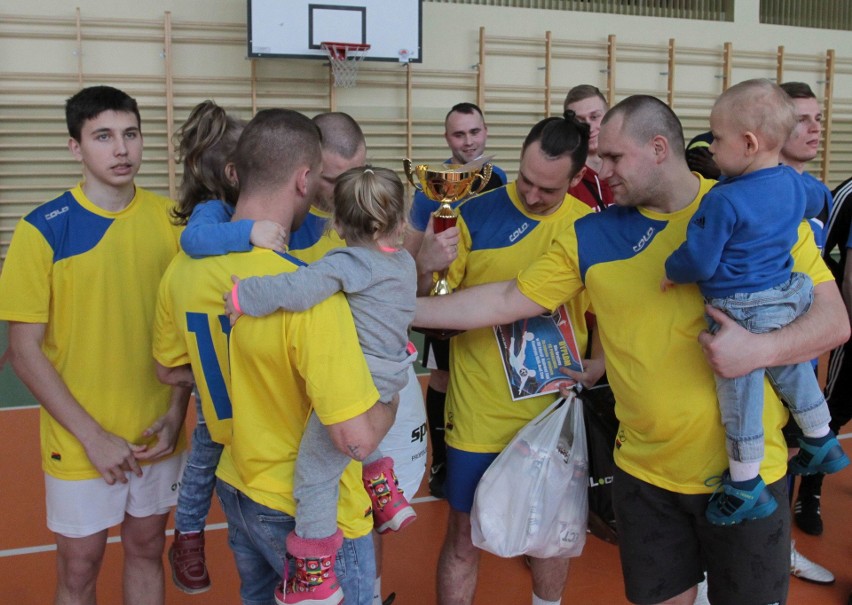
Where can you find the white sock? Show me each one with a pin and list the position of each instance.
(377, 591)
(743, 471)
(537, 600)
(820, 431)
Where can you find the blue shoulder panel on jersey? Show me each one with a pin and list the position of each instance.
(615, 234)
(422, 207)
(68, 228)
(308, 233)
(494, 222)
(499, 172)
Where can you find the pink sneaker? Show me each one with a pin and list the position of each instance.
(315, 582)
(391, 511)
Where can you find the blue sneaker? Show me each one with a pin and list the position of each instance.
(818, 455)
(735, 502)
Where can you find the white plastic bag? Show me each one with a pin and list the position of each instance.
(533, 499)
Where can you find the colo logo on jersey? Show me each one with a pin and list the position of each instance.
(645, 239)
(55, 213)
(519, 232)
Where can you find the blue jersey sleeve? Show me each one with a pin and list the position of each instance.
(697, 259)
(210, 231)
(818, 197)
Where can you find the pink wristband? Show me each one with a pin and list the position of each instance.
(235, 298)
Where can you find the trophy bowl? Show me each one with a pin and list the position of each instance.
(449, 183)
(446, 185)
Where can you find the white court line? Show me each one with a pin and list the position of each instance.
(15, 408)
(30, 550)
(14, 552)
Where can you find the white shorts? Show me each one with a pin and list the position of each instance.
(77, 509)
(406, 440)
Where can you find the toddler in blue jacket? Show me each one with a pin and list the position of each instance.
(737, 251)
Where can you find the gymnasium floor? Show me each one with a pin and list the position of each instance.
(27, 575)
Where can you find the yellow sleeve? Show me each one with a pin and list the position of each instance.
(553, 279)
(25, 288)
(169, 346)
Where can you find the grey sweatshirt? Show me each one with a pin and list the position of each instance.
(381, 288)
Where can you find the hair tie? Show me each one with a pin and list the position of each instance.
(370, 170)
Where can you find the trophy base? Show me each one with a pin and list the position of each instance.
(441, 288)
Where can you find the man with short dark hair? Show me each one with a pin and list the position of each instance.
(501, 232)
(466, 134)
(78, 289)
(344, 147)
(801, 148)
(660, 364)
(590, 106)
(265, 375)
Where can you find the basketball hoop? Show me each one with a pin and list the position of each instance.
(345, 58)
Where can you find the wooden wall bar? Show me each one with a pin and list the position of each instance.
(517, 81)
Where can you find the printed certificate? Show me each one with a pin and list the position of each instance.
(533, 351)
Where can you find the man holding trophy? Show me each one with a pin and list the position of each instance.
(466, 135)
(500, 233)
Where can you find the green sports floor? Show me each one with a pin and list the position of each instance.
(13, 394)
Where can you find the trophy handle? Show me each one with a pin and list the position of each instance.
(484, 175)
(409, 172)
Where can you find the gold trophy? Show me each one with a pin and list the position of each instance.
(447, 185)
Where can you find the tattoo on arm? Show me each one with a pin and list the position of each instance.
(355, 452)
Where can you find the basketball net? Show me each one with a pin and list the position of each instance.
(345, 59)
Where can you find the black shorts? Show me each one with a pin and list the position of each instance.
(436, 353)
(667, 544)
(838, 390)
(838, 394)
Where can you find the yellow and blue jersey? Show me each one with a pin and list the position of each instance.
(422, 207)
(671, 434)
(91, 276)
(499, 238)
(314, 238)
(260, 379)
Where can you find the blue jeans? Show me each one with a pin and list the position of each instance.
(741, 399)
(199, 477)
(257, 534)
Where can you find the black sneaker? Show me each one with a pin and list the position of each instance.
(437, 475)
(807, 514)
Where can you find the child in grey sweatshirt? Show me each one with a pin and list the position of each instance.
(379, 280)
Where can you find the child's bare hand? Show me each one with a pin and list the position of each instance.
(269, 234)
(666, 283)
(231, 309)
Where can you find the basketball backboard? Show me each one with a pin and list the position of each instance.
(296, 28)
